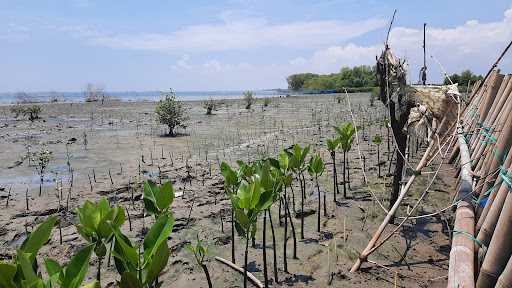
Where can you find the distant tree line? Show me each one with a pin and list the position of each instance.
(357, 79)
(464, 78)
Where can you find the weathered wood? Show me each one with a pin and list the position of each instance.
(252, 278)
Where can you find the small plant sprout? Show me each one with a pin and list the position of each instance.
(315, 169)
(249, 202)
(158, 199)
(298, 165)
(95, 224)
(43, 159)
(200, 252)
(286, 179)
(377, 140)
(248, 99)
(332, 145)
(231, 183)
(346, 133)
(171, 112)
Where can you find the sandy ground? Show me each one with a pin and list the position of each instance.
(125, 146)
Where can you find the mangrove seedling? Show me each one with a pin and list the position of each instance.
(23, 272)
(298, 165)
(332, 145)
(315, 169)
(249, 202)
(200, 251)
(346, 133)
(95, 223)
(231, 183)
(43, 159)
(140, 269)
(158, 199)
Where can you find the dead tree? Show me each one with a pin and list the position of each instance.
(391, 75)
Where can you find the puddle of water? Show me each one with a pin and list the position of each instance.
(55, 173)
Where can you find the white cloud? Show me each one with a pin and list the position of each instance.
(236, 33)
(473, 45)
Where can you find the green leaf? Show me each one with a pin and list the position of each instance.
(157, 264)
(150, 204)
(7, 272)
(265, 201)
(377, 139)
(157, 235)
(284, 160)
(165, 196)
(77, 268)
(29, 275)
(38, 237)
(125, 250)
(229, 175)
(93, 284)
(242, 219)
(130, 280)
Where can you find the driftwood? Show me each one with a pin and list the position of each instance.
(251, 277)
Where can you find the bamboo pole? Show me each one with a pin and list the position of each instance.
(461, 266)
(502, 148)
(499, 249)
(479, 96)
(376, 236)
(491, 198)
(493, 121)
(505, 280)
(488, 223)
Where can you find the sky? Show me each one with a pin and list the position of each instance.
(129, 45)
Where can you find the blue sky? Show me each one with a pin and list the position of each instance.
(236, 44)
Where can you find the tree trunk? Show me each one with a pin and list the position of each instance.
(205, 269)
(334, 176)
(401, 140)
(232, 236)
(318, 218)
(265, 271)
(294, 235)
(302, 188)
(246, 258)
(276, 278)
(285, 236)
(344, 174)
(378, 159)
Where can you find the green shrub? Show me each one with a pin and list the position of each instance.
(248, 99)
(171, 112)
(30, 111)
(209, 105)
